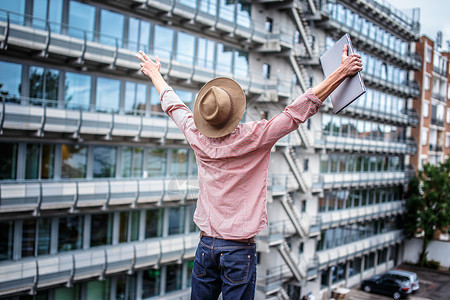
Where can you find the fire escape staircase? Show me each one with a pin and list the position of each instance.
(282, 294)
(290, 156)
(301, 222)
(298, 267)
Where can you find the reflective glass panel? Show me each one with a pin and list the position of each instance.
(77, 92)
(156, 162)
(70, 233)
(185, 48)
(224, 57)
(151, 279)
(111, 28)
(32, 161)
(74, 159)
(98, 289)
(132, 159)
(39, 161)
(81, 20)
(104, 162)
(176, 220)
(6, 239)
(108, 95)
(16, 6)
(101, 229)
(241, 63)
(72, 293)
(28, 237)
(179, 162)
(10, 81)
(173, 279)
(205, 56)
(8, 161)
(135, 100)
(44, 233)
(164, 46)
(244, 10)
(153, 223)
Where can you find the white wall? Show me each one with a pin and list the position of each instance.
(437, 250)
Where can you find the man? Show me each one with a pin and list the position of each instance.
(232, 161)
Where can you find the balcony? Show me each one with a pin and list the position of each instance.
(371, 45)
(359, 248)
(440, 97)
(408, 89)
(361, 214)
(327, 181)
(437, 122)
(111, 57)
(27, 275)
(356, 143)
(405, 118)
(34, 196)
(391, 17)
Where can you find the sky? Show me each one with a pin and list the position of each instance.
(434, 17)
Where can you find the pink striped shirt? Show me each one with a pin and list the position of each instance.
(232, 170)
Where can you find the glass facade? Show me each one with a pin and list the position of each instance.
(77, 92)
(156, 162)
(74, 161)
(10, 81)
(8, 161)
(153, 223)
(108, 95)
(104, 161)
(43, 85)
(81, 20)
(70, 233)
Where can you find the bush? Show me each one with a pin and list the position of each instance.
(432, 264)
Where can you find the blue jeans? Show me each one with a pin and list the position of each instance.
(224, 266)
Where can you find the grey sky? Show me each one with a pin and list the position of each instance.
(434, 16)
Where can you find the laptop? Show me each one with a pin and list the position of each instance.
(352, 87)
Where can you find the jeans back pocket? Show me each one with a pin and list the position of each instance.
(236, 267)
(199, 269)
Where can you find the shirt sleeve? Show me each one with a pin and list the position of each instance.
(176, 110)
(267, 133)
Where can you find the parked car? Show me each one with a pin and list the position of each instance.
(402, 275)
(387, 285)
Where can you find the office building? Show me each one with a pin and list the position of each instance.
(98, 186)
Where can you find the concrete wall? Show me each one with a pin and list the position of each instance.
(437, 250)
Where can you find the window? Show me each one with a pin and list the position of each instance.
(132, 160)
(163, 48)
(98, 289)
(77, 91)
(428, 54)
(266, 71)
(205, 56)
(111, 28)
(74, 159)
(135, 100)
(50, 10)
(128, 226)
(151, 280)
(43, 85)
(17, 6)
(427, 82)
(81, 20)
(39, 161)
(104, 162)
(224, 58)
(241, 63)
(268, 25)
(185, 48)
(138, 35)
(153, 223)
(101, 229)
(70, 233)
(8, 161)
(447, 141)
(425, 108)
(176, 220)
(10, 81)
(108, 95)
(244, 10)
(6, 238)
(156, 162)
(179, 162)
(35, 237)
(173, 277)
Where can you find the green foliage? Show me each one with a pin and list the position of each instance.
(428, 203)
(432, 264)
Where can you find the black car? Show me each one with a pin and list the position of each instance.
(386, 285)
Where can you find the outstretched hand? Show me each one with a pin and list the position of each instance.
(350, 64)
(148, 66)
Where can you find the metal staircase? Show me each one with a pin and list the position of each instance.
(290, 155)
(282, 294)
(301, 222)
(304, 135)
(298, 267)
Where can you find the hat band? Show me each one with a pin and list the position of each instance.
(230, 113)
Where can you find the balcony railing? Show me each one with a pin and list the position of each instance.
(356, 143)
(360, 179)
(437, 122)
(81, 47)
(73, 194)
(360, 214)
(26, 275)
(359, 248)
(440, 97)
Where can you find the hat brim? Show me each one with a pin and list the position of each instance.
(239, 102)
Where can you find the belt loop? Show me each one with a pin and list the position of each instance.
(214, 239)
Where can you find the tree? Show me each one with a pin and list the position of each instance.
(428, 203)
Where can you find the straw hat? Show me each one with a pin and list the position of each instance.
(219, 107)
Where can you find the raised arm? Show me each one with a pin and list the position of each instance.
(350, 65)
(152, 69)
